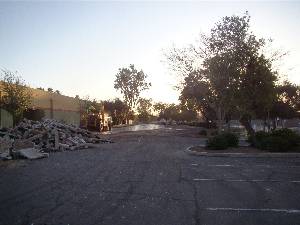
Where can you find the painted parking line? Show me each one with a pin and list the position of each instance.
(258, 165)
(293, 211)
(223, 165)
(243, 180)
(242, 166)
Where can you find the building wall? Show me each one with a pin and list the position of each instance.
(42, 99)
(55, 106)
(6, 119)
(64, 116)
(58, 107)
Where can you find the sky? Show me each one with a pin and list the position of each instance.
(78, 47)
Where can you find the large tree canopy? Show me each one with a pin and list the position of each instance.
(118, 110)
(131, 83)
(226, 73)
(144, 109)
(287, 104)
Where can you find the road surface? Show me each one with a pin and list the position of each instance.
(145, 177)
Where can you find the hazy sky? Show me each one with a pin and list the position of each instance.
(77, 47)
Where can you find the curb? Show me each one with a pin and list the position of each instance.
(243, 155)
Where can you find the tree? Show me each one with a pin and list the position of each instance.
(174, 112)
(171, 112)
(290, 94)
(16, 96)
(131, 83)
(50, 90)
(231, 46)
(57, 92)
(96, 106)
(256, 93)
(144, 109)
(117, 109)
(282, 110)
(218, 73)
(197, 95)
(86, 107)
(287, 104)
(159, 107)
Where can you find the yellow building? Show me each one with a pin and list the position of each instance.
(55, 106)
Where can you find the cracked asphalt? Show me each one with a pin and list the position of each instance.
(145, 177)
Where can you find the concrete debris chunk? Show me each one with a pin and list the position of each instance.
(5, 143)
(31, 153)
(56, 140)
(22, 143)
(31, 139)
(5, 156)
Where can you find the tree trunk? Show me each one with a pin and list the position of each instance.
(219, 117)
(274, 124)
(228, 124)
(246, 122)
(269, 123)
(264, 128)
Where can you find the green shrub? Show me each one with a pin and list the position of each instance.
(214, 133)
(222, 141)
(232, 139)
(258, 138)
(291, 136)
(218, 142)
(275, 144)
(203, 132)
(277, 140)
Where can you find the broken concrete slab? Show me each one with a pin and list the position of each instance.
(5, 144)
(56, 140)
(22, 143)
(46, 136)
(5, 156)
(32, 153)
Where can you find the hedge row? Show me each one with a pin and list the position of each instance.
(281, 140)
(222, 141)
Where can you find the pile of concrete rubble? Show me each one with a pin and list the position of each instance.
(35, 139)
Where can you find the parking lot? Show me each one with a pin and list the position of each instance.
(145, 177)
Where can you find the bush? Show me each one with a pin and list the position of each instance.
(277, 140)
(214, 133)
(222, 141)
(218, 142)
(203, 132)
(274, 144)
(232, 139)
(207, 125)
(291, 136)
(258, 138)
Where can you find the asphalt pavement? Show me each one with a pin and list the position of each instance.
(146, 177)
